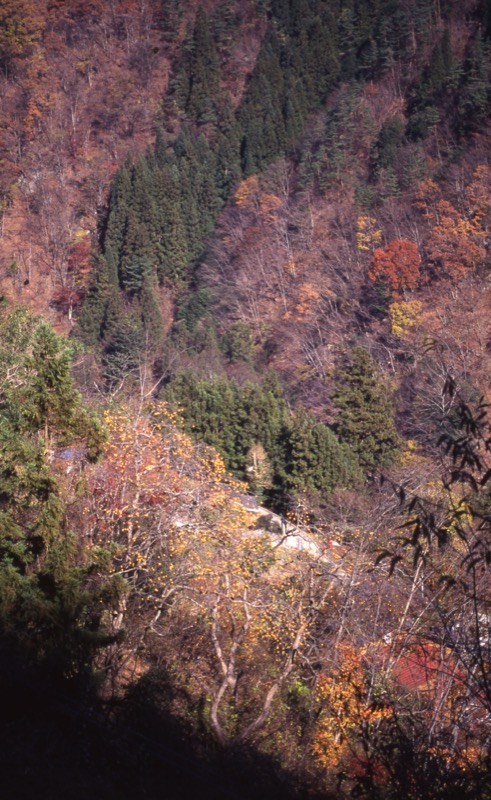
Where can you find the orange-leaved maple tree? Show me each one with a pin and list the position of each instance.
(398, 264)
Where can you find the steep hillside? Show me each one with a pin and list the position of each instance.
(231, 190)
(264, 226)
(83, 87)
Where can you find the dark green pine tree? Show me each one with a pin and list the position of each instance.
(315, 54)
(152, 321)
(210, 412)
(251, 146)
(181, 81)
(193, 219)
(198, 76)
(137, 270)
(229, 417)
(90, 324)
(441, 72)
(228, 170)
(52, 405)
(423, 21)
(385, 149)
(161, 150)
(475, 93)
(484, 14)
(436, 89)
(207, 197)
(112, 268)
(267, 421)
(170, 19)
(143, 201)
(295, 110)
(173, 250)
(199, 198)
(316, 460)
(123, 342)
(137, 254)
(260, 113)
(347, 41)
(365, 420)
(119, 205)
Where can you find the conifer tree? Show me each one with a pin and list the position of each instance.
(198, 77)
(228, 171)
(153, 324)
(119, 205)
(365, 420)
(90, 324)
(475, 94)
(173, 247)
(316, 460)
(46, 603)
(136, 253)
(122, 343)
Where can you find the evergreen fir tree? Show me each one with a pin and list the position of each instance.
(316, 460)
(136, 255)
(119, 205)
(152, 322)
(475, 94)
(365, 420)
(198, 78)
(123, 346)
(229, 135)
(90, 323)
(172, 251)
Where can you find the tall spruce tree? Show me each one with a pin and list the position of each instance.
(365, 420)
(91, 321)
(316, 461)
(198, 75)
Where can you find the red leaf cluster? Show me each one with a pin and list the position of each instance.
(398, 264)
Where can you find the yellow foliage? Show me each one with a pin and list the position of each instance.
(404, 316)
(80, 235)
(368, 236)
(21, 25)
(180, 536)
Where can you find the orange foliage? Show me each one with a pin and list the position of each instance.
(348, 709)
(268, 206)
(456, 244)
(249, 198)
(153, 487)
(478, 195)
(79, 259)
(308, 299)
(246, 193)
(398, 264)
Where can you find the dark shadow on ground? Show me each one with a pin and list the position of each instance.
(59, 741)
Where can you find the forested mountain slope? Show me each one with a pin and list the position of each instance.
(260, 231)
